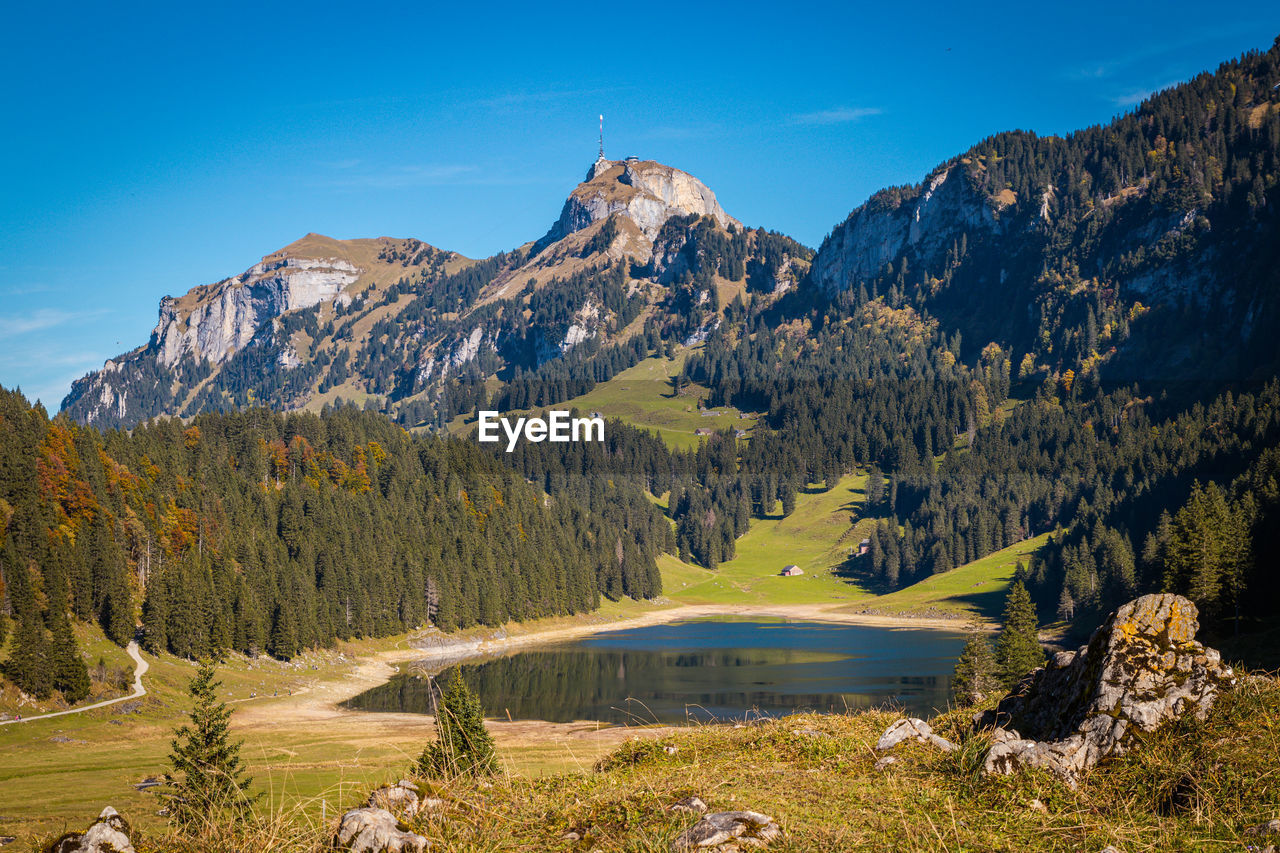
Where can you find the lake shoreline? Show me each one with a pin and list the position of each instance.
(323, 702)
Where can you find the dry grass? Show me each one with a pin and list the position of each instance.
(1193, 786)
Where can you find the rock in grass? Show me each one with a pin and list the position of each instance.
(689, 804)
(912, 728)
(402, 799)
(1271, 827)
(1143, 668)
(372, 830)
(108, 834)
(727, 831)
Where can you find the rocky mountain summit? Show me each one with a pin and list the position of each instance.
(403, 323)
(644, 192)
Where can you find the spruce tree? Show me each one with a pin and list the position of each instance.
(28, 663)
(207, 773)
(67, 668)
(1018, 649)
(975, 674)
(463, 745)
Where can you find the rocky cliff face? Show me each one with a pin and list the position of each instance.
(204, 329)
(643, 191)
(213, 322)
(891, 223)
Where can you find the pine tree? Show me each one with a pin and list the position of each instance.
(975, 674)
(28, 663)
(463, 745)
(1018, 649)
(67, 668)
(207, 773)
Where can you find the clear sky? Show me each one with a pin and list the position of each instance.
(149, 148)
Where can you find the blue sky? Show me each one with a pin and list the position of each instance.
(148, 148)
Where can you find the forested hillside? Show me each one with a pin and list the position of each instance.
(1048, 334)
(262, 532)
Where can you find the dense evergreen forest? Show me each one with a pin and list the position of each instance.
(260, 532)
(1121, 394)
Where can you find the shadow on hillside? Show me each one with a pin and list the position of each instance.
(856, 570)
(988, 604)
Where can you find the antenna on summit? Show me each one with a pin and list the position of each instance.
(602, 136)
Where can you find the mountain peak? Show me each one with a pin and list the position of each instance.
(644, 191)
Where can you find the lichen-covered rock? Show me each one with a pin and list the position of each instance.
(728, 831)
(912, 728)
(373, 830)
(1141, 669)
(108, 834)
(403, 799)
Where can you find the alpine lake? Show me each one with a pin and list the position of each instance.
(698, 670)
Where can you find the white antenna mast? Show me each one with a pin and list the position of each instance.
(602, 136)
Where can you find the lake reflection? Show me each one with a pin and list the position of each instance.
(702, 669)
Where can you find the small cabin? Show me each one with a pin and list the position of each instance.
(792, 571)
(864, 547)
(702, 431)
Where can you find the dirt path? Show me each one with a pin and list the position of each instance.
(138, 691)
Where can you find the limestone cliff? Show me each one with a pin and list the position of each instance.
(893, 222)
(207, 326)
(643, 191)
(213, 322)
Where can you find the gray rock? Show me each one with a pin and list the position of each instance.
(372, 830)
(810, 733)
(1271, 827)
(1140, 670)
(726, 831)
(108, 834)
(912, 728)
(885, 761)
(402, 799)
(689, 804)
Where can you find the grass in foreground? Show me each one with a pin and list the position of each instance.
(1192, 786)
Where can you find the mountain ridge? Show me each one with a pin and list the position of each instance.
(1143, 249)
(288, 313)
